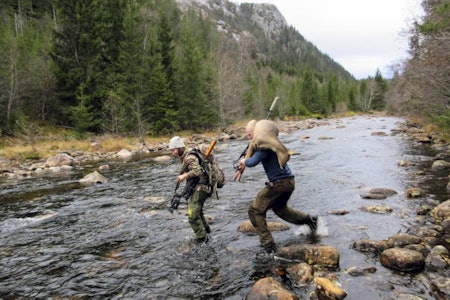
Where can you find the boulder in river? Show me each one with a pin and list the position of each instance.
(327, 256)
(269, 288)
(247, 227)
(92, 178)
(300, 273)
(326, 289)
(440, 165)
(442, 211)
(373, 196)
(373, 246)
(401, 259)
(377, 209)
(415, 193)
(124, 154)
(360, 270)
(384, 191)
(60, 159)
(403, 239)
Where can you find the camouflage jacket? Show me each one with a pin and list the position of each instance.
(191, 166)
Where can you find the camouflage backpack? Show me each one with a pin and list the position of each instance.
(212, 171)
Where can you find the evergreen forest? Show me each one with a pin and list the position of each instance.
(144, 67)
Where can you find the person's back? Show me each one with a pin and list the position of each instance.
(269, 160)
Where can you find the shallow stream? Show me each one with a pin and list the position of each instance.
(118, 240)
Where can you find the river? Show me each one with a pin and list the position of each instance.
(119, 240)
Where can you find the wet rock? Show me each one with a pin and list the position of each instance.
(436, 262)
(326, 289)
(338, 212)
(428, 232)
(431, 241)
(300, 273)
(269, 288)
(440, 165)
(247, 227)
(402, 239)
(401, 259)
(372, 246)
(415, 192)
(438, 259)
(442, 285)
(418, 247)
(423, 138)
(124, 154)
(424, 210)
(442, 211)
(103, 167)
(446, 226)
(361, 270)
(442, 155)
(18, 174)
(327, 256)
(383, 191)
(406, 163)
(92, 178)
(60, 159)
(378, 133)
(38, 166)
(373, 196)
(377, 209)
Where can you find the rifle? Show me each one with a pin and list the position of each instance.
(238, 173)
(190, 184)
(185, 194)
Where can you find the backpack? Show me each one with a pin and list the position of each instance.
(212, 171)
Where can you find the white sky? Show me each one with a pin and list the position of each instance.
(360, 35)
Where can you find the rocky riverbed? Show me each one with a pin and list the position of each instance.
(421, 250)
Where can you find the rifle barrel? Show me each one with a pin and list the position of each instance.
(210, 148)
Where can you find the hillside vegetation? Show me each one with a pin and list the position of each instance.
(151, 67)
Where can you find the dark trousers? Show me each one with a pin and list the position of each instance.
(274, 196)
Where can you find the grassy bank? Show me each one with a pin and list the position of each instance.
(44, 145)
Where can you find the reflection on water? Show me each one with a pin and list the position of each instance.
(116, 241)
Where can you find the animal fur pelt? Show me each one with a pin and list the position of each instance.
(265, 136)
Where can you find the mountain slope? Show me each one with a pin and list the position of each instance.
(276, 44)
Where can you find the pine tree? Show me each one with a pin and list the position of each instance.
(72, 50)
(196, 109)
(133, 71)
(86, 46)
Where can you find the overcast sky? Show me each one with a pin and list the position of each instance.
(361, 35)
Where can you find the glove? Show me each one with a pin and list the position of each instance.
(175, 201)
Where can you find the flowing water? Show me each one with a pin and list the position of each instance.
(119, 240)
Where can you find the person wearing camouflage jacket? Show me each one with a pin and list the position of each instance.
(191, 170)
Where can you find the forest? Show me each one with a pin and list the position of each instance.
(143, 67)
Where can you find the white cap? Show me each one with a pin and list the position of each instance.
(176, 142)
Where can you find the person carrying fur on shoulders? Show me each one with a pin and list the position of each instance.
(267, 149)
